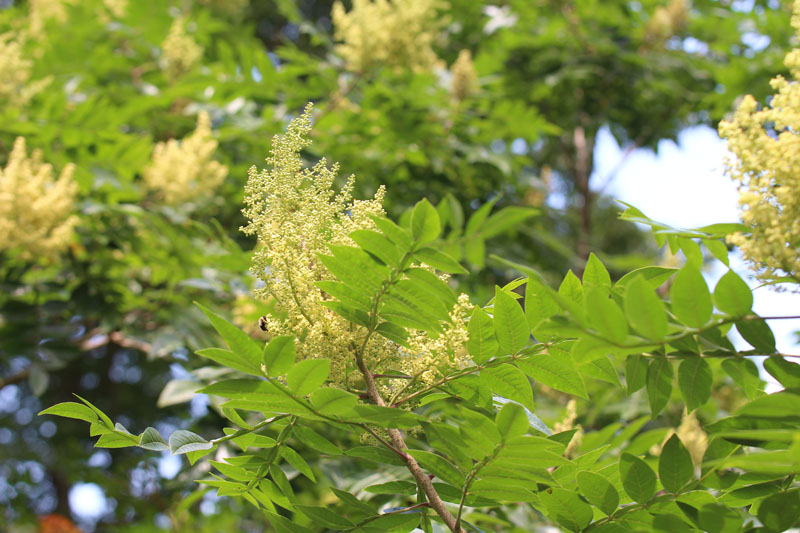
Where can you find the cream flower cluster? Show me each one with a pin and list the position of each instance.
(179, 52)
(464, 80)
(15, 72)
(766, 143)
(295, 213)
(35, 209)
(184, 170)
(393, 33)
(667, 21)
(42, 11)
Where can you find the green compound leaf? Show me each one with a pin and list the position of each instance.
(732, 296)
(598, 491)
(638, 479)
(510, 325)
(689, 296)
(644, 310)
(659, 384)
(307, 376)
(694, 380)
(675, 467)
(567, 508)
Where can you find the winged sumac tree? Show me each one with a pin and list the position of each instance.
(368, 337)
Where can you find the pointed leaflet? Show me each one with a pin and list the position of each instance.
(243, 347)
(644, 310)
(378, 245)
(554, 371)
(279, 355)
(694, 380)
(307, 376)
(539, 304)
(439, 467)
(598, 491)
(566, 508)
(786, 372)
(510, 324)
(507, 381)
(595, 273)
(72, 410)
(689, 297)
(231, 360)
(182, 441)
(638, 479)
(512, 421)
(439, 260)
(758, 334)
(659, 384)
(395, 233)
(571, 288)
(151, 439)
(482, 343)
(732, 296)
(604, 315)
(635, 372)
(425, 225)
(675, 467)
(780, 511)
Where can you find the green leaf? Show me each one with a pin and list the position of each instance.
(758, 334)
(638, 479)
(439, 467)
(433, 284)
(659, 384)
(103, 417)
(635, 372)
(554, 371)
(439, 260)
(780, 405)
(325, 517)
(482, 344)
(280, 523)
(732, 295)
(346, 295)
(539, 303)
(393, 332)
(182, 441)
(654, 276)
(151, 439)
(512, 421)
(356, 316)
(510, 325)
(231, 360)
(395, 233)
(644, 310)
(689, 297)
(780, 511)
(694, 380)
(595, 273)
(571, 288)
(72, 410)
(378, 245)
(566, 508)
(604, 315)
(505, 219)
(425, 225)
(244, 348)
(314, 440)
(278, 355)
(745, 373)
(332, 401)
(406, 488)
(294, 459)
(717, 249)
(675, 467)
(786, 372)
(307, 376)
(116, 439)
(598, 491)
(507, 381)
(477, 219)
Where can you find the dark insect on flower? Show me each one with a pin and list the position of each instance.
(262, 323)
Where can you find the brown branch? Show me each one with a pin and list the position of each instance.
(423, 481)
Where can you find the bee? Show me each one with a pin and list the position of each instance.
(262, 323)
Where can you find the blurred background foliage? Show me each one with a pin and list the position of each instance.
(507, 113)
